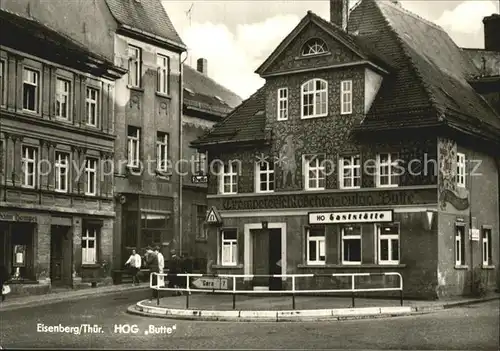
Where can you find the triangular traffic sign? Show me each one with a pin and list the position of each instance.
(213, 216)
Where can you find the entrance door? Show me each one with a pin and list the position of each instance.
(260, 238)
(60, 254)
(275, 258)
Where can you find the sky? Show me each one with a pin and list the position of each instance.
(236, 36)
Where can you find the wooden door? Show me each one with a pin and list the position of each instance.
(260, 240)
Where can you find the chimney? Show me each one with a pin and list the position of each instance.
(202, 66)
(491, 32)
(339, 10)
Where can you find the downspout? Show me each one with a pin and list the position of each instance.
(181, 177)
(472, 284)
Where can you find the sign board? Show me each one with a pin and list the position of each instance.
(474, 234)
(213, 216)
(210, 283)
(351, 217)
(199, 179)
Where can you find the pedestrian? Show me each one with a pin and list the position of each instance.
(134, 262)
(4, 276)
(161, 266)
(152, 262)
(173, 271)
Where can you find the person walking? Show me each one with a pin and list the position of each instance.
(152, 262)
(134, 262)
(161, 266)
(4, 276)
(173, 270)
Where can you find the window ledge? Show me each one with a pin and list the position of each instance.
(138, 89)
(312, 117)
(343, 266)
(220, 266)
(487, 267)
(305, 57)
(461, 267)
(91, 265)
(163, 95)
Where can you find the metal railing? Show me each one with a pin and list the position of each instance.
(353, 290)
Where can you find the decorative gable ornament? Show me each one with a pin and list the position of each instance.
(213, 216)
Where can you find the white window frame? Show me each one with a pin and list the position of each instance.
(90, 101)
(163, 62)
(89, 255)
(345, 237)
(3, 81)
(200, 163)
(61, 166)
(91, 173)
(486, 238)
(318, 168)
(29, 156)
(459, 245)
(353, 168)
(314, 47)
(267, 172)
(346, 97)
(320, 242)
(162, 149)
(133, 147)
(389, 165)
(461, 169)
(229, 172)
(134, 60)
(36, 83)
(233, 248)
(63, 92)
(309, 88)
(389, 238)
(282, 104)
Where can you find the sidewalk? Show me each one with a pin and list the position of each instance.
(252, 308)
(59, 295)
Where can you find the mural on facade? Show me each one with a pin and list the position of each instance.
(287, 161)
(451, 197)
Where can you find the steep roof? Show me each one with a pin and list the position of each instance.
(145, 15)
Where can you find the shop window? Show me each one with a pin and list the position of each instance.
(460, 245)
(229, 247)
(350, 172)
(31, 89)
(351, 244)
(29, 166)
(388, 243)
(92, 107)
(89, 245)
(282, 104)
(346, 97)
(154, 229)
(314, 98)
(314, 172)
(264, 177)
(316, 246)
(228, 178)
(387, 170)
(63, 98)
(487, 243)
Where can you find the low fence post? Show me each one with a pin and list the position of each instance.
(293, 292)
(234, 293)
(352, 289)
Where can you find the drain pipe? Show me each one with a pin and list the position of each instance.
(181, 108)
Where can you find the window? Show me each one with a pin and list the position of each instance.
(201, 213)
(346, 97)
(487, 254)
(351, 244)
(229, 250)
(388, 243)
(460, 245)
(264, 176)
(282, 104)
(134, 66)
(63, 93)
(30, 89)
(163, 63)
(316, 246)
(3, 79)
(154, 228)
(161, 151)
(89, 246)
(387, 175)
(29, 166)
(350, 172)
(228, 179)
(314, 47)
(461, 170)
(314, 98)
(200, 163)
(91, 176)
(314, 172)
(61, 168)
(134, 138)
(91, 103)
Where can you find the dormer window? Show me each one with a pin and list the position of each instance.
(314, 47)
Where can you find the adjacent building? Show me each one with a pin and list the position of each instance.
(56, 155)
(369, 149)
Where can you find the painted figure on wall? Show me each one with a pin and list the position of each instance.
(287, 160)
(449, 192)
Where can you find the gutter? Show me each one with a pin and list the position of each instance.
(154, 37)
(181, 110)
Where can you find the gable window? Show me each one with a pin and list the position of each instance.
(350, 172)
(200, 163)
(31, 89)
(351, 244)
(133, 139)
(316, 246)
(29, 166)
(388, 243)
(264, 177)
(63, 91)
(387, 170)
(162, 151)
(282, 104)
(163, 63)
(228, 179)
(487, 244)
(3, 79)
(134, 66)
(61, 168)
(91, 103)
(91, 176)
(314, 98)
(459, 245)
(314, 172)
(89, 246)
(346, 97)
(314, 47)
(461, 170)
(229, 247)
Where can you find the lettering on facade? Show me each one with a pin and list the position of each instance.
(351, 217)
(16, 217)
(355, 199)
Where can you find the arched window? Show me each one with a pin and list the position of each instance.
(314, 98)
(314, 47)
